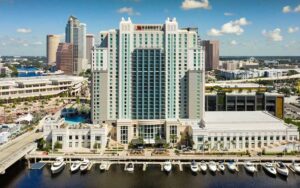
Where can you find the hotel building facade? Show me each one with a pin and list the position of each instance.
(148, 79)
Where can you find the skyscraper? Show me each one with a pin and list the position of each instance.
(148, 80)
(64, 58)
(52, 44)
(211, 54)
(76, 35)
(90, 42)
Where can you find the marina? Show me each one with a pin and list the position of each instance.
(115, 176)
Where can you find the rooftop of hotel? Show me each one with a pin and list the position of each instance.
(243, 120)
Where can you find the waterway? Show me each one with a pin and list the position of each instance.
(30, 72)
(19, 176)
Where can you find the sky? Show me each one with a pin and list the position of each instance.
(243, 27)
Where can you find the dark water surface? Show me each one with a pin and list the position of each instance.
(19, 176)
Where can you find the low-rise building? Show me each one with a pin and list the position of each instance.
(241, 131)
(13, 88)
(74, 137)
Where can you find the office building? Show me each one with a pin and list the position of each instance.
(64, 58)
(52, 45)
(211, 54)
(76, 35)
(90, 42)
(147, 80)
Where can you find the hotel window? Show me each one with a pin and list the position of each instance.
(124, 134)
(98, 138)
(70, 144)
(70, 137)
(173, 134)
(76, 137)
(59, 138)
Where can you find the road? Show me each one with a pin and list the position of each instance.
(8, 150)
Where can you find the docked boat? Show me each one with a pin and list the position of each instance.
(231, 166)
(203, 166)
(103, 166)
(168, 166)
(270, 168)
(84, 165)
(212, 166)
(129, 167)
(295, 167)
(75, 166)
(58, 165)
(282, 169)
(221, 166)
(249, 166)
(194, 167)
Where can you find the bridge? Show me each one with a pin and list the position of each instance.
(296, 76)
(16, 149)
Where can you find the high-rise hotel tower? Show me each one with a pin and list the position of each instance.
(148, 80)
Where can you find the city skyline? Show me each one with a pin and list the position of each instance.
(254, 28)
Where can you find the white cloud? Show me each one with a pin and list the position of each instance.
(195, 4)
(214, 32)
(289, 9)
(297, 9)
(274, 35)
(24, 30)
(293, 29)
(286, 9)
(232, 27)
(233, 42)
(37, 43)
(127, 10)
(228, 14)
(25, 44)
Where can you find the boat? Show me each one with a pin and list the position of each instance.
(129, 167)
(295, 167)
(103, 166)
(221, 166)
(58, 165)
(84, 165)
(212, 166)
(75, 166)
(249, 166)
(194, 167)
(282, 169)
(270, 168)
(168, 166)
(203, 166)
(231, 166)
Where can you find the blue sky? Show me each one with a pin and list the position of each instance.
(244, 27)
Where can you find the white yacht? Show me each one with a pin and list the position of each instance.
(84, 165)
(129, 167)
(282, 169)
(203, 166)
(249, 166)
(231, 166)
(103, 166)
(58, 165)
(221, 166)
(194, 167)
(296, 167)
(168, 166)
(75, 166)
(269, 168)
(212, 166)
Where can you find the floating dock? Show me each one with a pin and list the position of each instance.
(37, 166)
